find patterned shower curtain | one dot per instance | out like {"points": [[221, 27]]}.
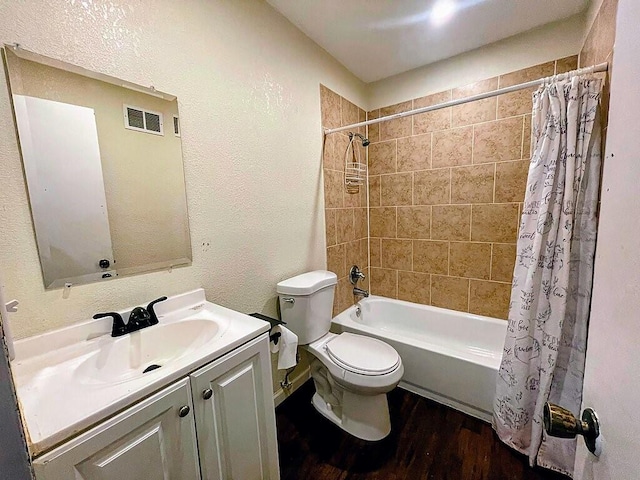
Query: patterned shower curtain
{"points": [[545, 346]]}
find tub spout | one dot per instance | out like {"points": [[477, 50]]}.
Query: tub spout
{"points": [[358, 292]]}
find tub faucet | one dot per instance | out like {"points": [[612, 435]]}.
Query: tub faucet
{"points": [[358, 292]]}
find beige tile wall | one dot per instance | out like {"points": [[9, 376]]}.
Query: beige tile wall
{"points": [[598, 47], [445, 195], [345, 209]]}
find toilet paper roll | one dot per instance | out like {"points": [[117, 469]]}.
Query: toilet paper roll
{"points": [[286, 348]]}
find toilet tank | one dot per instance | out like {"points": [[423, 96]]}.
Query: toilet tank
{"points": [[306, 304]]}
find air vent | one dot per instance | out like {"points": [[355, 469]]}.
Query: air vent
{"points": [[176, 126], [143, 120]]}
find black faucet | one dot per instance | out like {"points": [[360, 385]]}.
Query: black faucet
{"points": [[139, 318]]}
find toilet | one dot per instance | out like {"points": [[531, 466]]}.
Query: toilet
{"points": [[352, 373]]}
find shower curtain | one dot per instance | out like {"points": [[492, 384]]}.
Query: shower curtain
{"points": [[545, 346]]}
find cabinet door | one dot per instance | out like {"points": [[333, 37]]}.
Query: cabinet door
{"points": [[235, 417], [149, 441]]}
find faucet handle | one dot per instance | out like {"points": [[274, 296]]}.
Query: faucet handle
{"points": [[119, 328], [150, 308], [355, 274]]}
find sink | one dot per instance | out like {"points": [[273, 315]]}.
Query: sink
{"points": [[145, 351]]}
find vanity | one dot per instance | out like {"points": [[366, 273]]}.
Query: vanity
{"points": [[188, 398]]}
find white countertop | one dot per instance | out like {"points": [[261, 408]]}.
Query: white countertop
{"points": [[57, 397]]}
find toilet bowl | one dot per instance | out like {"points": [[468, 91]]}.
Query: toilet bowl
{"points": [[352, 373]]}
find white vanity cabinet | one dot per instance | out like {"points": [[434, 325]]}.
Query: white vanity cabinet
{"points": [[235, 418], [154, 439], [217, 423]]}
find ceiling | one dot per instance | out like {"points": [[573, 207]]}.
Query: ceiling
{"points": [[375, 39]]}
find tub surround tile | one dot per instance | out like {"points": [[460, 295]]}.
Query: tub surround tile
{"points": [[336, 259], [566, 64], [414, 153], [478, 111], [343, 295], [511, 181], [330, 108], [353, 256], [526, 141], [400, 127], [396, 254], [414, 287], [498, 141], [384, 282], [350, 112], [330, 226], [474, 112], [503, 259], [489, 298], [352, 196], [528, 74], [452, 147], [414, 222], [333, 185], [360, 222], [432, 187], [470, 260], [451, 222], [373, 131], [450, 292], [382, 157], [375, 246], [374, 190], [432, 121], [382, 222], [445, 191], [473, 184], [345, 225], [516, 103], [495, 223], [431, 257], [396, 189]]}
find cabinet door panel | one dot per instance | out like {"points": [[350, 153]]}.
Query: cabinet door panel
{"points": [[236, 426], [147, 441]]}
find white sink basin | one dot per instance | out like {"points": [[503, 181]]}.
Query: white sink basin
{"points": [[126, 358], [72, 378]]}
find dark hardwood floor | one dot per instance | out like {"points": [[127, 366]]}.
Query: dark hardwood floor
{"points": [[427, 441]]}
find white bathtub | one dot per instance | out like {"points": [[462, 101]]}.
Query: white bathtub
{"points": [[450, 357]]}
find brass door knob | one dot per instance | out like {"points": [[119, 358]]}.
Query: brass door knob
{"points": [[561, 423]]}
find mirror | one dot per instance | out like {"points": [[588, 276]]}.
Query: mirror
{"points": [[102, 159]]}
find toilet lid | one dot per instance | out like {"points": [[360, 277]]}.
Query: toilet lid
{"points": [[363, 355]]}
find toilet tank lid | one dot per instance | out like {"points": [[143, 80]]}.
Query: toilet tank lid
{"points": [[307, 283]]}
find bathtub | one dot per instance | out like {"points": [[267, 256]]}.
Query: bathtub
{"points": [[449, 357]]}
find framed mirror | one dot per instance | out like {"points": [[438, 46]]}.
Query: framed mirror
{"points": [[102, 159]]}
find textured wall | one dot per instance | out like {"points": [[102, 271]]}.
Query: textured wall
{"points": [[345, 207], [445, 195], [247, 87], [540, 45]]}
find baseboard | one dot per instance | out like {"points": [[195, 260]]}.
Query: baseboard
{"points": [[281, 394], [449, 402]]}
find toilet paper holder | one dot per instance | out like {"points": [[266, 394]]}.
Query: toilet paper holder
{"points": [[561, 423], [273, 337]]}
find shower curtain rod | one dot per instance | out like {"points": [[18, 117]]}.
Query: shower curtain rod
{"points": [[602, 67]]}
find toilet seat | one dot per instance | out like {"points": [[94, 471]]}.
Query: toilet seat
{"points": [[362, 355]]}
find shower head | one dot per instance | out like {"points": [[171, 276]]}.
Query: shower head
{"points": [[365, 141]]}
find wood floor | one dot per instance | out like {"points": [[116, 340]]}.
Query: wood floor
{"points": [[427, 441]]}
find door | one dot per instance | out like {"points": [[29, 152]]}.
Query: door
{"points": [[153, 440], [61, 157], [612, 374], [235, 416]]}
